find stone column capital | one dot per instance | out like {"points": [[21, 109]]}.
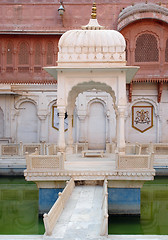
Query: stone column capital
{"points": [[42, 117], [61, 111]]}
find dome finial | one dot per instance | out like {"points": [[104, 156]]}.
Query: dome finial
{"points": [[93, 23], [93, 15]]}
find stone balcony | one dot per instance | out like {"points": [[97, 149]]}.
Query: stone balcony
{"points": [[110, 166]]}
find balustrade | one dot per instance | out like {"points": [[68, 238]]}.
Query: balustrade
{"points": [[52, 217]]}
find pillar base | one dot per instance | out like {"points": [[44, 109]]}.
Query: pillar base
{"points": [[70, 149], [121, 150]]}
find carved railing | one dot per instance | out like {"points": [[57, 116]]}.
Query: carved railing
{"points": [[10, 149], [79, 147], [160, 148], [51, 149], [51, 218], [21, 149], [156, 148], [132, 162], [104, 223], [44, 162]]}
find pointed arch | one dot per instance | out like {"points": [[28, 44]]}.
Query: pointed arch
{"points": [[86, 86], [146, 49]]}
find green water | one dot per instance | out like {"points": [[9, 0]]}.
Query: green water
{"points": [[154, 212], [19, 207]]}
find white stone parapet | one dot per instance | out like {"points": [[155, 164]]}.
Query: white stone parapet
{"points": [[51, 218], [134, 162], [44, 162]]}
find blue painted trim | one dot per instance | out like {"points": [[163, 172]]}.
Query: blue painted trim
{"points": [[47, 197]]}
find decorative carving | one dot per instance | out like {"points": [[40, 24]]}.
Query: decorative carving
{"points": [[30, 148], [10, 149], [142, 118]]}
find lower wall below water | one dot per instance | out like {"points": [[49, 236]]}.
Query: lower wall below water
{"points": [[47, 197], [124, 201]]}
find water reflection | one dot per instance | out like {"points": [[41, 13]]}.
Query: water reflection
{"points": [[154, 212], [19, 207], [154, 207]]}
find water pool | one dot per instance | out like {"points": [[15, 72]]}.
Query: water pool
{"points": [[154, 212], [19, 207]]}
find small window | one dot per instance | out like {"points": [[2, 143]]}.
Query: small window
{"points": [[38, 54], [23, 54], [38, 58], [9, 54], [50, 53], [146, 48]]}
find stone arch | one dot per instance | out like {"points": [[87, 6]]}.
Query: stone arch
{"points": [[27, 124], [85, 86], [97, 99], [96, 133], [22, 100], [141, 11], [146, 49], [147, 100]]}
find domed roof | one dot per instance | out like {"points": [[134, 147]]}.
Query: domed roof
{"points": [[91, 44]]}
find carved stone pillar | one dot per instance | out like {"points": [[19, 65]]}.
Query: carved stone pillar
{"points": [[61, 139], [70, 137], [121, 129], [43, 133], [108, 127], [82, 128]]}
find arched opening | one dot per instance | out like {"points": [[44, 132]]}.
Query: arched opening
{"points": [[27, 123], [92, 122], [146, 48], [96, 126]]}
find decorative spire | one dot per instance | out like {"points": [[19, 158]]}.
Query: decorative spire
{"points": [[93, 15], [93, 23]]}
